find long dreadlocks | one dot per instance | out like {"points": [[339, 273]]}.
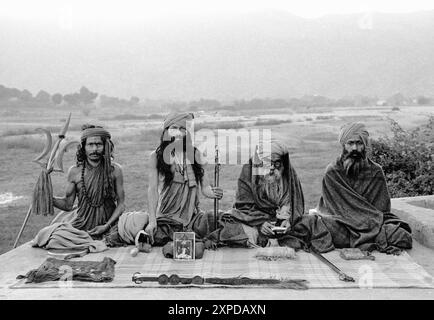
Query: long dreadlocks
{"points": [[93, 130]]}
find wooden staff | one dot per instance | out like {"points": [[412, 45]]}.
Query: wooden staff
{"points": [[342, 275], [216, 184]]}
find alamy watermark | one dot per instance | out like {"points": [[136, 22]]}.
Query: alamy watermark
{"points": [[235, 146]]}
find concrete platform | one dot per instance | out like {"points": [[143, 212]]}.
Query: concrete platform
{"points": [[20, 260], [419, 213]]}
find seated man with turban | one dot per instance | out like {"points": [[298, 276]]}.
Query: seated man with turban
{"points": [[97, 182], [269, 194], [354, 208], [176, 177]]}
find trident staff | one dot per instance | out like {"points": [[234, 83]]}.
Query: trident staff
{"points": [[42, 198]]}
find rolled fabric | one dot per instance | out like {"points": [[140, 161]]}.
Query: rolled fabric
{"points": [[177, 118], [275, 253], [354, 129], [130, 223], [92, 132]]}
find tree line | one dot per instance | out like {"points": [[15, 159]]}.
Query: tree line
{"points": [[86, 97]]}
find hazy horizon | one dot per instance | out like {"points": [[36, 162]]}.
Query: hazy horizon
{"points": [[219, 55]]}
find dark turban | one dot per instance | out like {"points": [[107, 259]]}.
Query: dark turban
{"points": [[353, 129]]}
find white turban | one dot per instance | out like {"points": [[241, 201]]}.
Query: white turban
{"points": [[177, 118]]}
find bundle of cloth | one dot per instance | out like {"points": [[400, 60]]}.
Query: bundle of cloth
{"points": [[62, 235], [54, 269]]}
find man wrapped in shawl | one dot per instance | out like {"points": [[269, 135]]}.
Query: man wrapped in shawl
{"points": [[176, 176], [98, 184], [354, 208], [269, 194]]}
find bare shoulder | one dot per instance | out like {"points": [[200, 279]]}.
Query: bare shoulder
{"points": [[117, 169], [74, 173], [152, 162]]}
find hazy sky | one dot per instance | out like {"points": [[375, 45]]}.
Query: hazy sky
{"points": [[187, 49], [128, 11]]}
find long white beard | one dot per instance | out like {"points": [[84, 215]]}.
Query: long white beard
{"points": [[273, 187]]}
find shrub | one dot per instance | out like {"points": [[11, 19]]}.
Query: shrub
{"points": [[407, 158]]}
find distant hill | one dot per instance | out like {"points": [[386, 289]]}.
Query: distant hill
{"points": [[272, 54]]}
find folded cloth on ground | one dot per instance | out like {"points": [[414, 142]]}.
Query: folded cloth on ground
{"points": [[54, 269], [275, 253], [62, 235], [355, 254]]}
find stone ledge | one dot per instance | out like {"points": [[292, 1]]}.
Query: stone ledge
{"points": [[419, 213]]}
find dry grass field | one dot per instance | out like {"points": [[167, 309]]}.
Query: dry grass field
{"points": [[311, 136]]}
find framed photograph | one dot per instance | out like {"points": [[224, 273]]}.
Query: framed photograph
{"points": [[183, 245]]}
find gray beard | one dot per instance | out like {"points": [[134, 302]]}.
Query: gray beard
{"points": [[272, 188]]}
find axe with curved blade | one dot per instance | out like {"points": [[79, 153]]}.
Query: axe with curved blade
{"points": [[58, 159], [47, 147], [48, 165]]}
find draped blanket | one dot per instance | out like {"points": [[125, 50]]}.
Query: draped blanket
{"points": [[88, 217], [178, 209], [62, 235], [253, 209], [354, 212], [179, 200], [68, 230]]}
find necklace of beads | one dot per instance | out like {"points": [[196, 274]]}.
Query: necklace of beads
{"points": [[84, 191]]}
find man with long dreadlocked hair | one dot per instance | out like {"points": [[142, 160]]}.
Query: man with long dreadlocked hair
{"points": [[176, 175], [98, 183]]}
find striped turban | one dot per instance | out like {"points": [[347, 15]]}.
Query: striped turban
{"points": [[177, 118], [92, 132], [277, 148], [351, 130]]}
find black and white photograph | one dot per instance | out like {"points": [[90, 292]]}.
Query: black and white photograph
{"points": [[183, 245], [203, 150]]}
